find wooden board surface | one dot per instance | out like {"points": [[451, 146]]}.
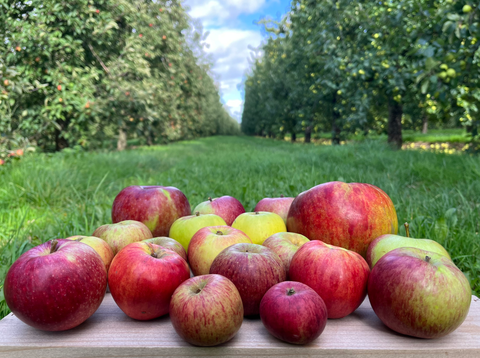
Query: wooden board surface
{"points": [[110, 333]]}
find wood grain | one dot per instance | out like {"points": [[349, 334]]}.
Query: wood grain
{"points": [[110, 333]]}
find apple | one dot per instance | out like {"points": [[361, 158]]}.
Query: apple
{"points": [[346, 215], [184, 228], [143, 277], [386, 243], [123, 233], [208, 242], [99, 245], [156, 206], [285, 245], [206, 310], [419, 293], [227, 207], [56, 286], [279, 206], [293, 312], [170, 244], [253, 269], [338, 275], [259, 225]]}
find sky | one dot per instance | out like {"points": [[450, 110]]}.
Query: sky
{"points": [[233, 34]]}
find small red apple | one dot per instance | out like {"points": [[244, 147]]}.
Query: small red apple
{"points": [[59, 87], [285, 245], [227, 207], [279, 206]]}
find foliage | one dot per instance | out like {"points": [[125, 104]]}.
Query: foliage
{"points": [[81, 71], [362, 66]]}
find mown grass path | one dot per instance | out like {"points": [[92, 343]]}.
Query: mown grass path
{"points": [[48, 196]]}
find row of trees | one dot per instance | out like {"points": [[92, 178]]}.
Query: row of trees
{"points": [[361, 66], [83, 72]]}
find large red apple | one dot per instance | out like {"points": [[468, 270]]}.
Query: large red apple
{"points": [[155, 206], [100, 246], [279, 206], [170, 244], [253, 269], [285, 245], [419, 293], [57, 285], [293, 312], [208, 242], [227, 207], [143, 277], [206, 310], [338, 275], [345, 215], [123, 233]]}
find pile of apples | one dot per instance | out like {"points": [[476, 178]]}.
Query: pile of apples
{"points": [[210, 269]]}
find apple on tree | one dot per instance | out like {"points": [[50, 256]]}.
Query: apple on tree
{"points": [[155, 206], [259, 225], [206, 310], [227, 207], [57, 285], [279, 206], [419, 293]]}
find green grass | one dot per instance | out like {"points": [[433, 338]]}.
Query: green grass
{"points": [[48, 196]]}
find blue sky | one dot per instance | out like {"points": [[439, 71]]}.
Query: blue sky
{"points": [[232, 30]]}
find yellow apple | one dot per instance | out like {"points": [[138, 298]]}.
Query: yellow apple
{"points": [[259, 225]]}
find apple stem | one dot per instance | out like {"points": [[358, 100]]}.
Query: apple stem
{"points": [[407, 229], [53, 246], [427, 258], [197, 213], [282, 196], [256, 212], [219, 232], [210, 198], [290, 292]]}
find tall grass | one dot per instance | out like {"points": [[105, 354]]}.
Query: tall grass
{"points": [[48, 196]]}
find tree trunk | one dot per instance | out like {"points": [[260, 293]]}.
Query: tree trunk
{"points": [[122, 140], [308, 134], [60, 141], [335, 127], [395, 112], [425, 125], [294, 137]]}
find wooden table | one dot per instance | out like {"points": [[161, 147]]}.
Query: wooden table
{"points": [[110, 333]]}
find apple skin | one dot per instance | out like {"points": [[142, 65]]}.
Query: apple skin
{"points": [[184, 228], [208, 242], [338, 275], [346, 215], [59, 290], [156, 206], [206, 310], [285, 245], [386, 243], [123, 233], [253, 269], [279, 206], [170, 244], [143, 277], [227, 207], [99, 245], [259, 225], [416, 296], [293, 312]]}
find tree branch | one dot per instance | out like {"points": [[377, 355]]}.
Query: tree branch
{"points": [[105, 68]]}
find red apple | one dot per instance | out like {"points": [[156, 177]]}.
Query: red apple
{"points": [[155, 206], [285, 245], [345, 215], [338, 275], [208, 242], [170, 244], [143, 277], [99, 245], [123, 233], [227, 207], [56, 286], [206, 310], [279, 206], [293, 312], [419, 293], [253, 269]]}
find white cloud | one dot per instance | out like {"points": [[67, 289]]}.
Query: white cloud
{"points": [[235, 108]]}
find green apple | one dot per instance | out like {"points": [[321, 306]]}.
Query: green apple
{"points": [[184, 228], [259, 225], [386, 243]]}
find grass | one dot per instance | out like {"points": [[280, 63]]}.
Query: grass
{"points": [[48, 196]]}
